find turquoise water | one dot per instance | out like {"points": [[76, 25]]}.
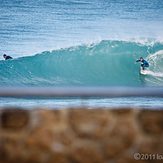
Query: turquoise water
{"points": [[81, 43], [108, 63]]}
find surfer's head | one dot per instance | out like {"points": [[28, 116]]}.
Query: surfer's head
{"points": [[141, 58], [4, 55]]}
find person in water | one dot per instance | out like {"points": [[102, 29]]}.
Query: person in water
{"points": [[6, 57], [144, 63]]}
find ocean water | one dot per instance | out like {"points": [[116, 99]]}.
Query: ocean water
{"points": [[81, 43], [108, 63]]}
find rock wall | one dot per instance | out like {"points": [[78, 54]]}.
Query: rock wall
{"points": [[81, 136]]}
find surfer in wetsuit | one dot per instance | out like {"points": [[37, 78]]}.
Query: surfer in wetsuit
{"points": [[6, 57], [144, 63]]}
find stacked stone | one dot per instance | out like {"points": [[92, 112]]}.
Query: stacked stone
{"points": [[81, 135]]}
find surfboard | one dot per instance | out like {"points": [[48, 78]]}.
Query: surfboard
{"points": [[143, 72]]}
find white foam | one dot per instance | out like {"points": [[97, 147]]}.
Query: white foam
{"points": [[152, 73]]}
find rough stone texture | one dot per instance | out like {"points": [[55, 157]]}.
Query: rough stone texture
{"points": [[80, 135], [90, 123], [14, 119], [151, 122]]}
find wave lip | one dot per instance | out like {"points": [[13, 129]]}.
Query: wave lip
{"points": [[108, 63]]}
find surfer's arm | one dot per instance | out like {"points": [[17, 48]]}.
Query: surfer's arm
{"points": [[138, 60]]}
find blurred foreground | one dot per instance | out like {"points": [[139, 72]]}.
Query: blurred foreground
{"points": [[81, 135]]}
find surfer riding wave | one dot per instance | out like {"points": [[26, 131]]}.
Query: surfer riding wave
{"points": [[144, 63]]}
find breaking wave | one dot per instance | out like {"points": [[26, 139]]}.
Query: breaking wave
{"points": [[108, 63]]}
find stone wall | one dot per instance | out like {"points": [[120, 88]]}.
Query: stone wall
{"points": [[81, 136]]}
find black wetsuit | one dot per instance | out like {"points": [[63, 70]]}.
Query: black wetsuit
{"points": [[144, 63], [8, 57]]}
